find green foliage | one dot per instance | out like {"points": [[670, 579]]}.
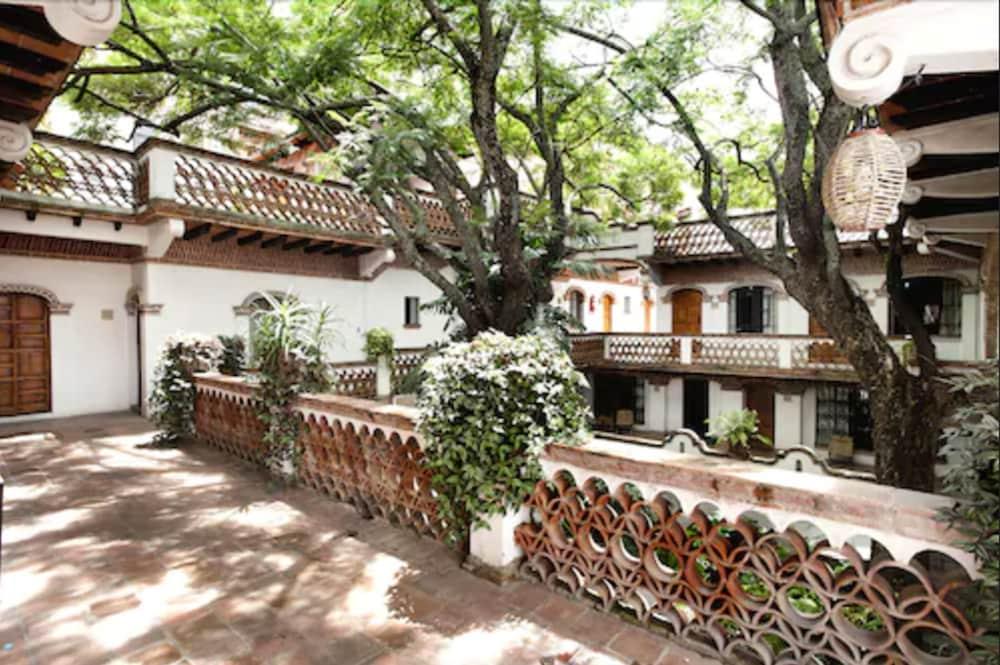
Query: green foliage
{"points": [[290, 345], [379, 343], [805, 600], [973, 450], [737, 428], [863, 617], [171, 403], [487, 410], [233, 354]]}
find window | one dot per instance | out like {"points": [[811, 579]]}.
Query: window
{"points": [[627, 304], [750, 310], [640, 402], [411, 312], [938, 302], [843, 411], [576, 305]]}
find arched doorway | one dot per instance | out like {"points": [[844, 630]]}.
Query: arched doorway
{"points": [[25, 355], [607, 305], [686, 315]]}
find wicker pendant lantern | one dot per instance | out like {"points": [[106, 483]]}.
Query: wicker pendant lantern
{"points": [[864, 181]]}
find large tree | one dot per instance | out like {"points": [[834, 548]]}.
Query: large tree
{"points": [[906, 407], [526, 148], [527, 152]]}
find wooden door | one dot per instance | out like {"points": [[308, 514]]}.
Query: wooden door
{"points": [[24, 355], [647, 315], [686, 312], [760, 398], [607, 302]]}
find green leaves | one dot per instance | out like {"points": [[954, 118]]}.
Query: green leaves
{"points": [[290, 341], [171, 403], [485, 424], [738, 428], [973, 451]]}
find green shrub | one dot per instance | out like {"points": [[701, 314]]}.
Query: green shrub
{"points": [[737, 428], [973, 448], [233, 354], [379, 344], [290, 342], [171, 403], [488, 408]]}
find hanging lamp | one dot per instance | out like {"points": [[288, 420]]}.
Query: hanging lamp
{"points": [[865, 178]]}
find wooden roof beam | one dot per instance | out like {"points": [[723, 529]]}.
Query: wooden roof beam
{"points": [[295, 244], [250, 239], [273, 242], [224, 235], [197, 231], [320, 247]]}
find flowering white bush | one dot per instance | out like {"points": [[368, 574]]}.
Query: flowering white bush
{"points": [[487, 410], [171, 404]]}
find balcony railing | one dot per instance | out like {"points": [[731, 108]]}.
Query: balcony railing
{"points": [[794, 354]]}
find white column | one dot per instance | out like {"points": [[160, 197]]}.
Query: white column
{"points": [[787, 420], [675, 404], [970, 326], [656, 407], [784, 352], [492, 551], [808, 431], [162, 165], [686, 350]]}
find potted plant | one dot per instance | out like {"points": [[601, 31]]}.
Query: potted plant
{"points": [[380, 349], [736, 431]]}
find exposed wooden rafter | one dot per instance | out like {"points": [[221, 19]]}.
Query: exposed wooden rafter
{"points": [[250, 239], [196, 232], [224, 235]]}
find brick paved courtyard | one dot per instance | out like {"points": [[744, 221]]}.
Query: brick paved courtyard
{"points": [[115, 553]]}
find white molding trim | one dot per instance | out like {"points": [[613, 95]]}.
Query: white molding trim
{"points": [[56, 306], [15, 141], [873, 53]]}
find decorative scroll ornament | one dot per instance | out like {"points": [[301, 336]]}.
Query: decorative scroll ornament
{"points": [[864, 181], [866, 69], [15, 141], [84, 22]]}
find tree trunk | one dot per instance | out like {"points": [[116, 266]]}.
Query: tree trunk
{"points": [[906, 410], [906, 414]]}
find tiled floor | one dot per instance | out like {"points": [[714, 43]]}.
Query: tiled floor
{"points": [[114, 553]]}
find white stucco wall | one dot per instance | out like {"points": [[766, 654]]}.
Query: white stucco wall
{"points": [[791, 318], [90, 355], [594, 290], [197, 299]]}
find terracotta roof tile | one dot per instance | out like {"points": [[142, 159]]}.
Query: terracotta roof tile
{"points": [[704, 240]]}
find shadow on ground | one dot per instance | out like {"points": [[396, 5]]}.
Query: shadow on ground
{"points": [[114, 552]]}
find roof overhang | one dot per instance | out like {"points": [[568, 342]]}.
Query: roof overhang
{"points": [[40, 42]]}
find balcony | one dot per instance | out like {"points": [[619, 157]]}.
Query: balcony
{"points": [[789, 356]]}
